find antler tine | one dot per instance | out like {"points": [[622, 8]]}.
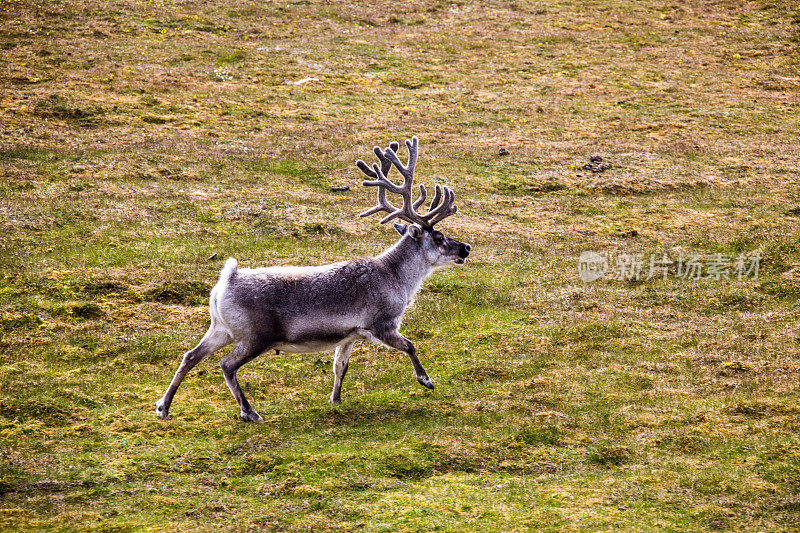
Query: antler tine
{"points": [[422, 195], [383, 181], [412, 146], [365, 169], [407, 171], [446, 209], [386, 164], [444, 215], [437, 197], [434, 213], [383, 205]]}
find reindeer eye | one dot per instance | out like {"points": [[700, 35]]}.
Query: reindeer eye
{"points": [[438, 238]]}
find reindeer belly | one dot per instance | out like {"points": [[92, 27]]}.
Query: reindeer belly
{"points": [[317, 336], [307, 347], [314, 346]]}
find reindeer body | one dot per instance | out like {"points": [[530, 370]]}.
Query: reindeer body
{"points": [[314, 309]]}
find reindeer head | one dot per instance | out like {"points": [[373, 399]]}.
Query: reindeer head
{"points": [[438, 249]]}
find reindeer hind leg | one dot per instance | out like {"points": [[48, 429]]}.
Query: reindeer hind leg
{"points": [[215, 339], [243, 353]]}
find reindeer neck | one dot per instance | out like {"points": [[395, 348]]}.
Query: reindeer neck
{"points": [[407, 263]]}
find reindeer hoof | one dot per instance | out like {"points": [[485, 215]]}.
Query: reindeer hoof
{"points": [[252, 416], [161, 411], [335, 401], [426, 382]]}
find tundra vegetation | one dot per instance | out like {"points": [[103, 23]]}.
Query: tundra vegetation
{"points": [[142, 143]]}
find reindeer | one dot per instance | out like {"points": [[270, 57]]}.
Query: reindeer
{"points": [[315, 309]]}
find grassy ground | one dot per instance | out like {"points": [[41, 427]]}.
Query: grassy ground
{"points": [[137, 139]]}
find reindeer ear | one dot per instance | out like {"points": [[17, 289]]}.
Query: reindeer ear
{"points": [[415, 231], [412, 229]]}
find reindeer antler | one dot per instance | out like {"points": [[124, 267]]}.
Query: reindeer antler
{"points": [[441, 206]]}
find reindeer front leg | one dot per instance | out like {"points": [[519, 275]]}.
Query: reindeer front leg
{"points": [[394, 339], [341, 361]]}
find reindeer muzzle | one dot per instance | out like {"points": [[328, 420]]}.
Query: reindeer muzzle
{"points": [[463, 253]]}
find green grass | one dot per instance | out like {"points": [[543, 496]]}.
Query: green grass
{"points": [[142, 144]]}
